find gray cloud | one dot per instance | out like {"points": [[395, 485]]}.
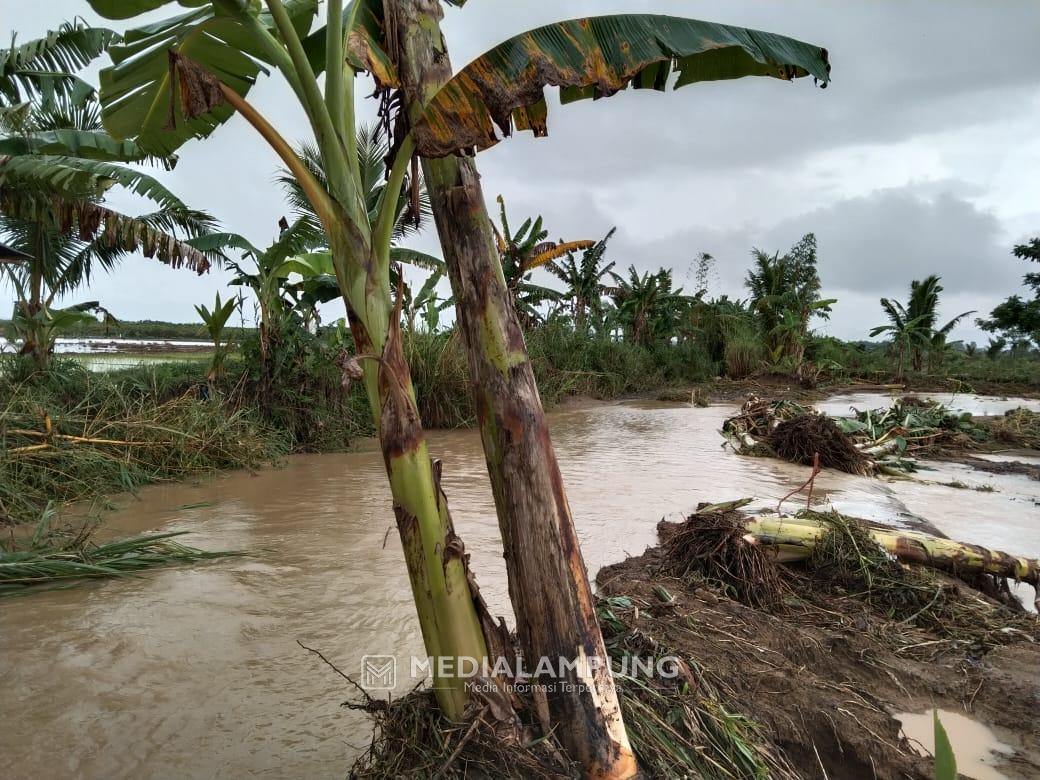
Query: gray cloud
{"points": [[916, 160], [869, 247]]}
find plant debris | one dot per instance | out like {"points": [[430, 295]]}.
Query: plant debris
{"points": [[24, 571], [873, 441], [714, 546]]}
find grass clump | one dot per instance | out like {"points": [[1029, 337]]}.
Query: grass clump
{"points": [[71, 435], [847, 561], [1018, 428]]}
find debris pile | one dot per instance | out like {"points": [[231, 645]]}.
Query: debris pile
{"points": [[869, 442]]}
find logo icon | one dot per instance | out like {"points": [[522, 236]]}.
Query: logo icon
{"points": [[378, 672]]}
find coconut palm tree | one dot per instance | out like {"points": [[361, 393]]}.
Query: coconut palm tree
{"points": [[584, 281], [216, 50], [57, 166]]}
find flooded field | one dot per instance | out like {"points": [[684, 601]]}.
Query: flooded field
{"points": [[110, 354], [197, 672]]}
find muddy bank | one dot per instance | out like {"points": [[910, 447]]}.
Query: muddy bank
{"points": [[824, 674]]}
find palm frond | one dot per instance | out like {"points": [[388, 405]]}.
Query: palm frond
{"points": [[55, 56]]}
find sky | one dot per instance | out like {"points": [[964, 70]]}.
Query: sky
{"points": [[921, 157]]}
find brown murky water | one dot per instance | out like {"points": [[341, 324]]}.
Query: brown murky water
{"points": [[195, 672], [975, 747]]}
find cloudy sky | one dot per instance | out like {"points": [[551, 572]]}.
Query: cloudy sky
{"points": [[922, 157]]}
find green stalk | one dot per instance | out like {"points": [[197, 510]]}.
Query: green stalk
{"points": [[436, 564], [382, 233], [348, 122], [344, 187], [334, 81]]}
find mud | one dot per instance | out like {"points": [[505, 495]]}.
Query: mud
{"points": [[826, 684], [1031, 470]]}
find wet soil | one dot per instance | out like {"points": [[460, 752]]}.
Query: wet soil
{"points": [[790, 388], [826, 683], [1031, 470]]}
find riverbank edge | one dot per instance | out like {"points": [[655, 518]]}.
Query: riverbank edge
{"points": [[795, 677]]}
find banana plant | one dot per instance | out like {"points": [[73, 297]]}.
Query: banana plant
{"points": [[181, 78], [39, 329], [499, 92], [425, 303], [522, 252], [584, 281], [215, 320]]}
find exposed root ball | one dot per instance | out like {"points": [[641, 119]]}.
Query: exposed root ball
{"points": [[714, 546], [800, 437]]}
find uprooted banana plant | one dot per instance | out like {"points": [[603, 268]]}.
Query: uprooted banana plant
{"points": [[214, 53]]}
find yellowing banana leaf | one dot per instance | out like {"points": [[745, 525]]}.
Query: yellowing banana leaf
{"points": [[597, 57], [558, 250]]}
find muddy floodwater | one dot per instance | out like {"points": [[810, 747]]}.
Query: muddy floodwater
{"points": [[196, 672], [975, 747]]}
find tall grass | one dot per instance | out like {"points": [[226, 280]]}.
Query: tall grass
{"points": [[71, 435], [744, 354], [441, 379]]}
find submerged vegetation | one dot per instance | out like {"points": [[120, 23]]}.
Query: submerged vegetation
{"points": [[71, 435], [42, 567]]}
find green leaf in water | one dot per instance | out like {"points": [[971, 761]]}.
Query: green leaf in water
{"points": [[945, 761]]}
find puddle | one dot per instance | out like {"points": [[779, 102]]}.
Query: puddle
{"points": [[976, 748]]}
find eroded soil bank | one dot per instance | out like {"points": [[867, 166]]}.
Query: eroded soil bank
{"points": [[825, 676]]}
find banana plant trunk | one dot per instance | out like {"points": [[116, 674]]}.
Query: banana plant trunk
{"points": [[445, 598], [548, 583], [793, 539], [437, 565]]}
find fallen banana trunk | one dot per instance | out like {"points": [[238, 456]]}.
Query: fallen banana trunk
{"points": [[795, 537]]}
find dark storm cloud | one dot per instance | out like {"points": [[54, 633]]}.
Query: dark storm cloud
{"points": [[718, 167], [869, 247], [899, 71]]}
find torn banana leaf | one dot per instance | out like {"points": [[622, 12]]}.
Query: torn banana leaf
{"points": [[597, 57]]}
